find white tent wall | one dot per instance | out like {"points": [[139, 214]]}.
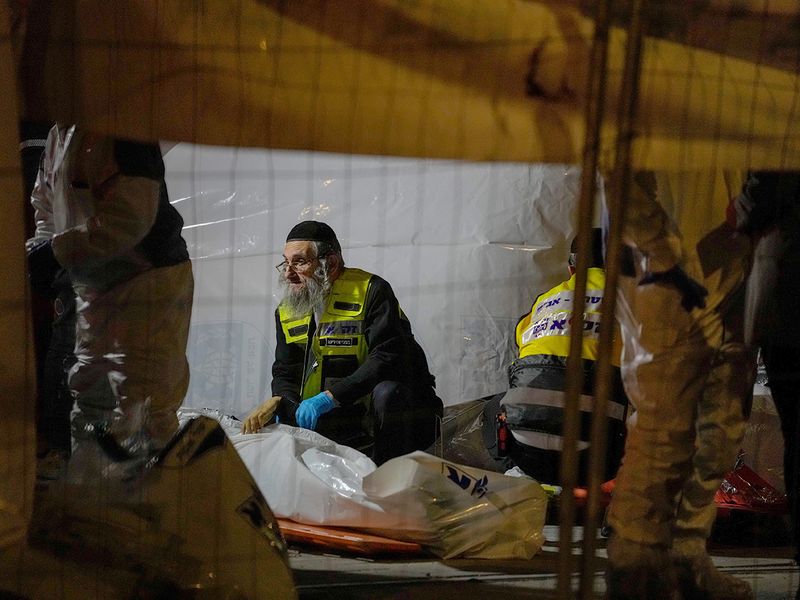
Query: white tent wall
{"points": [[466, 247]]}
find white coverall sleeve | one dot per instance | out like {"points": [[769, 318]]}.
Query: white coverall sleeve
{"points": [[42, 199], [647, 226], [125, 208]]}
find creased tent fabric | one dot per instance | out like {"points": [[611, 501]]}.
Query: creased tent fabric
{"points": [[466, 247], [435, 78]]}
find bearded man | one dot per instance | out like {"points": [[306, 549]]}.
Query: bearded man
{"points": [[346, 362]]}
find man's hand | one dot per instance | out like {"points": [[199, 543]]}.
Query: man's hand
{"points": [[312, 409], [261, 415], [693, 294]]}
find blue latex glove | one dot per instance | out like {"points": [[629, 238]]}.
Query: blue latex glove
{"points": [[312, 409]]}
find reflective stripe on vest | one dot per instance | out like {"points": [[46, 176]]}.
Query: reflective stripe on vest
{"points": [[546, 329], [340, 331], [538, 397], [535, 416]]}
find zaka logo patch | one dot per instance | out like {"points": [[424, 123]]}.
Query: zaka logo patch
{"points": [[476, 487], [339, 328]]}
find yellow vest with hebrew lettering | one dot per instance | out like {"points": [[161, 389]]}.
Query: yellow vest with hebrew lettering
{"points": [[340, 332], [546, 329]]}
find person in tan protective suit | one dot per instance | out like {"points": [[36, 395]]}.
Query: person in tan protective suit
{"points": [[688, 372]]}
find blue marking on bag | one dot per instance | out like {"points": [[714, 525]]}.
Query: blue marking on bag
{"points": [[466, 481]]}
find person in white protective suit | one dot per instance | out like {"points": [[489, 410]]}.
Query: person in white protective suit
{"points": [[689, 375], [102, 204]]}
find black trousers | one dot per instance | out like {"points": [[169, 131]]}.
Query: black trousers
{"points": [[56, 398], [549, 373], [402, 419], [783, 373]]}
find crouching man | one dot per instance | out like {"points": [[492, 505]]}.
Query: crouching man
{"points": [[346, 362], [534, 405]]}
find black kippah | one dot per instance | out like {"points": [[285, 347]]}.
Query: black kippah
{"points": [[596, 247], [314, 231]]}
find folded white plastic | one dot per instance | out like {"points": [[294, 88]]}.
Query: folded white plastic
{"points": [[452, 510]]}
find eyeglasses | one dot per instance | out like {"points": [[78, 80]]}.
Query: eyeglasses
{"points": [[298, 264]]}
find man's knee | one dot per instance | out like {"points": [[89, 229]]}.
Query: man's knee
{"points": [[387, 397], [404, 419], [392, 397]]}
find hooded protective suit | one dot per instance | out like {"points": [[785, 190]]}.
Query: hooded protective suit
{"points": [[687, 373], [102, 203]]}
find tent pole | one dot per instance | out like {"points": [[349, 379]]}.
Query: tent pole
{"points": [[595, 104], [617, 200]]}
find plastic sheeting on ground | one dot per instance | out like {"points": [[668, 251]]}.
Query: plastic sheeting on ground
{"points": [[465, 246], [189, 523], [452, 510]]}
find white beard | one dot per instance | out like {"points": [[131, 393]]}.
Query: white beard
{"points": [[312, 295]]}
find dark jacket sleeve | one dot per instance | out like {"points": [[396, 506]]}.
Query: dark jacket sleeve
{"points": [[392, 349], [287, 372]]}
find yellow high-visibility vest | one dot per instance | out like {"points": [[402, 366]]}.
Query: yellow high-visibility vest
{"points": [[339, 333], [546, 329]]}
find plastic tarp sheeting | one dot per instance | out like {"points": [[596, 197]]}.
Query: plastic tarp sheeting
{"points": [[190, 523], [434, 78], [465, 246], [453, 511], [763, 439]]}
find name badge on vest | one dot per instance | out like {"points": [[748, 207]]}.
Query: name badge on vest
{"points": [[331, 342]]}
